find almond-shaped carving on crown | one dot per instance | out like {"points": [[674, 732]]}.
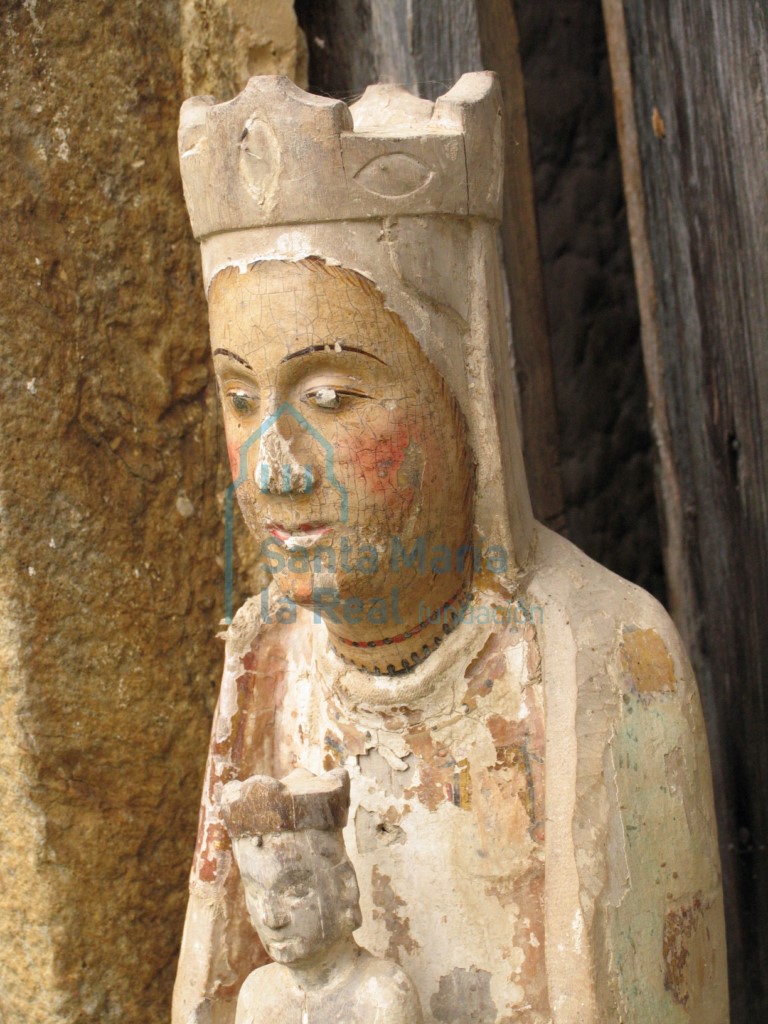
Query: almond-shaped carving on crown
{"points": [[394, 175], [260, 160], [276, 155]]}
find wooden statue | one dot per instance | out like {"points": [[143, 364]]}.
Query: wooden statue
{"points": [[531, 817], [303, 900]]}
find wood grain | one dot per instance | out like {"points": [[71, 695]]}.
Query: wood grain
{"points": [[691, 82], [522, 264]]}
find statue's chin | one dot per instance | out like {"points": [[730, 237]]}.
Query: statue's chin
{"points": [[283, 956]]}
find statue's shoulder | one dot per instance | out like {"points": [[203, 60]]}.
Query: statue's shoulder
{"points": [[383, 991], [630, 797], [266, 989], [564, 573], [574, 595], [612, 662]]}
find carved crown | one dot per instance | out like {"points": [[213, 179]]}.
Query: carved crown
{"points": [[300, 801], [277, 155]]}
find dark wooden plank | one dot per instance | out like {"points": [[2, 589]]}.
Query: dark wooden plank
{"points": [[691, 82], [340, 40], [533, 359], [445, 42], [605, 443]]}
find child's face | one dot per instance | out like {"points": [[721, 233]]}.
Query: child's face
{"points": [[295, 886]]}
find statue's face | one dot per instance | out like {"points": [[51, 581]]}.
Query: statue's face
{"points": [[343, 439], [301, 892]]}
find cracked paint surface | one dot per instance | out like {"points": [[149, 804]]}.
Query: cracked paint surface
{"points": [[575, 740], [447, 821]]}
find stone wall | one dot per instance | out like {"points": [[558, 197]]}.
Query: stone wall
{"points": [[111, 591]]}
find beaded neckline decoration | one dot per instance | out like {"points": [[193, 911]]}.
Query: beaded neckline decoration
{"points": [[447, 617]]}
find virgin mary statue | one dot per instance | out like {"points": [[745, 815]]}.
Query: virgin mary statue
{"points": [[531, 820]]}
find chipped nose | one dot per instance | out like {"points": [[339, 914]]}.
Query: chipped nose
{"points": [[289, 478], [277, 471]]}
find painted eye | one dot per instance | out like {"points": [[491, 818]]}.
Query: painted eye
{"points": [[243, 402], [298, 892], [325, 398]]}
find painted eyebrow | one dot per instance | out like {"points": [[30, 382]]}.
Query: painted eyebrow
{"points": [[232, 355], [326, 348], [302, 352]]}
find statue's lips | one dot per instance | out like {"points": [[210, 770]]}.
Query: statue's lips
{"points": [[277, 946], [305, 535]]}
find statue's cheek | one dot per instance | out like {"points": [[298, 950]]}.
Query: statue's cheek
{"points": [[385, 461], [233, 454]]}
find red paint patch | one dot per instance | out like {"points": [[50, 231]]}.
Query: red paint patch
{"points": [[489, 665], [233, 454], [680, 925], [379, 464]]}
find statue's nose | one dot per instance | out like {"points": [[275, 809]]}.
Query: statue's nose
{"points": [[275, 914], [282, 467]]}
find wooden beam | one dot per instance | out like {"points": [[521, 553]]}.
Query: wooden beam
{"points": [[530, 339], [691, 90]]}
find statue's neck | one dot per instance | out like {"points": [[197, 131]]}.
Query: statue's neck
{"points": [[407, 642], [373, 702], [332, 967]]}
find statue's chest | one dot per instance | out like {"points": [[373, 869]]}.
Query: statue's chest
{"points": [[279, 1001], [446, 832]]}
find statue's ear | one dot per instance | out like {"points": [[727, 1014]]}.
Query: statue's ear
{"points": [[347, 880], [349, 893]]}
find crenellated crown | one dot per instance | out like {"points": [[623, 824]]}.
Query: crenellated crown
{"points": [[301, 800], [277, 155]]}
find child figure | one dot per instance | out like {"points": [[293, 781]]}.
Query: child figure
{"points": [[303, 899]]}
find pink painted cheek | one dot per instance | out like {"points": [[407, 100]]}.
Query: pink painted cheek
{"points": [[378, 460], [233, 453]]}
